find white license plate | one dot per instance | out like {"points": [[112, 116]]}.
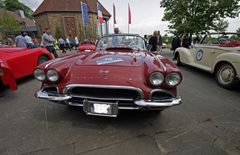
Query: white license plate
{"points": [[100, 108]]}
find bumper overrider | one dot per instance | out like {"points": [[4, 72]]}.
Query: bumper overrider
{"points": [[89, 102]]}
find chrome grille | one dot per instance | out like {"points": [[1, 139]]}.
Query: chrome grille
{"points": [[104, 92]]}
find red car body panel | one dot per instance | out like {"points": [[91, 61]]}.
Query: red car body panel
{"points": [[87, 45], [231, 44], [19, 62]]}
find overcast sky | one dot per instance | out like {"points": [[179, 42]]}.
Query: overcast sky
{"points": [[146, 15]]}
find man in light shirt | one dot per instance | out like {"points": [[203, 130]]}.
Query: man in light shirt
{"points": [[21, 41], [48, 42], [29, 41]]}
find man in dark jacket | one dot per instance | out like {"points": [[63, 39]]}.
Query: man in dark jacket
{"points": [[153, 42], [176, 42]]}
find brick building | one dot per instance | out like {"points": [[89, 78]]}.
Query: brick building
{"points": [[66, 16]]}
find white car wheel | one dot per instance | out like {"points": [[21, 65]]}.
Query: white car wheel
{"points": [[226, 76]]}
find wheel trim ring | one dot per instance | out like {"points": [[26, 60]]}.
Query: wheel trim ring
{"points": [[226, 75]]}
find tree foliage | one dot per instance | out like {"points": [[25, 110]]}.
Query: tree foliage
{"points": [[197, 15], [221, 26], [58, 33], [13, 5], [8, 24]]}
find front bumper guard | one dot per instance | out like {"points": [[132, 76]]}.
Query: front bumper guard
{"points": [[141, 103]]}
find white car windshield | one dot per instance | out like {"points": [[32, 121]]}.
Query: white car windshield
{"points": [[121, 41]]}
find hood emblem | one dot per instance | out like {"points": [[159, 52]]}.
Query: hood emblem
{"points": [[104, 71], [108, 61]]}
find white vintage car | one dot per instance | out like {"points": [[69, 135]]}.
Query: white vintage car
{"points": [[215, 54]]}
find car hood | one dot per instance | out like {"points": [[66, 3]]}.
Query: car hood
{"points": [[107, 68]]}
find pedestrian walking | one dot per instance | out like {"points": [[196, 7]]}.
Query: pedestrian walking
{"points": [[20, 41], [29, 41], [48, 42], [153, 42]]}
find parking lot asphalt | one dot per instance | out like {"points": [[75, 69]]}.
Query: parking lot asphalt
{"points": [[207, 123]]}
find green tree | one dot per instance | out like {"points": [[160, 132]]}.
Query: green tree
{"points": [[1, 4], [197, 15], [238, 31], [13, 5], [221, 25], [8, 24]]}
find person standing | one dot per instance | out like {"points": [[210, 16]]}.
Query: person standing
{"points": [[153, 42], [76, 42], [61, 44], [159, 40], [48, 42], [187, 40], [21, 41], [29, 42], [176, 42], [68, 43]]}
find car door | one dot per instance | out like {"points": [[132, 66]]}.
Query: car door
{"points": [[204, 56]]}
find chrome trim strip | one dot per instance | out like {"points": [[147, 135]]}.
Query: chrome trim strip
{"points": [[69, 87], [43, 95], [175, 101]]}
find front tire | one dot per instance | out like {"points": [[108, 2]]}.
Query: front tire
{"points": [[42, 59], [226, 76]]}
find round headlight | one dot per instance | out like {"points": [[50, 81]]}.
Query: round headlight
{"points": [[52, 75], [156, 78], [173, 79], [39, 74]]}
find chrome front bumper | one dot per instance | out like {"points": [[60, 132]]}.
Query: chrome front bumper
{"points": [[141, 103]]}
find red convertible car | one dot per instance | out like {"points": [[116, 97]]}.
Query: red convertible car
{"points": [[120, 75], [16, 63], [88, 45]]}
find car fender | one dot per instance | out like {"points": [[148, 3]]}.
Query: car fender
{"points": [[232, 58], [8, 77], [185, 55]]}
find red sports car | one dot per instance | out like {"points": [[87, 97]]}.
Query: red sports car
{"points": [[16, 63], [88, 45], [120, 74]]}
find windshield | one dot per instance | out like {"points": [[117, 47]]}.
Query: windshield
{"points": [[121, 41]]}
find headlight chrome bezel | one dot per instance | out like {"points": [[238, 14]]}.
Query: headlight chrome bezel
{"points": [[177, 77], [154, 76], [52, 75], [40, 72]]}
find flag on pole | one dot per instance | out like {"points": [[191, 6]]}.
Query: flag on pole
{"points": [[114, 14], [100, 14], [129, 15], [85, 17]]}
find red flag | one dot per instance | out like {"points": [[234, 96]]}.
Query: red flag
{"points": [[114, 14], [100, 15], [129, 15]]}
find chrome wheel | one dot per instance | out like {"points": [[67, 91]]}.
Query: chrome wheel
{"points": [[226, 76]]}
